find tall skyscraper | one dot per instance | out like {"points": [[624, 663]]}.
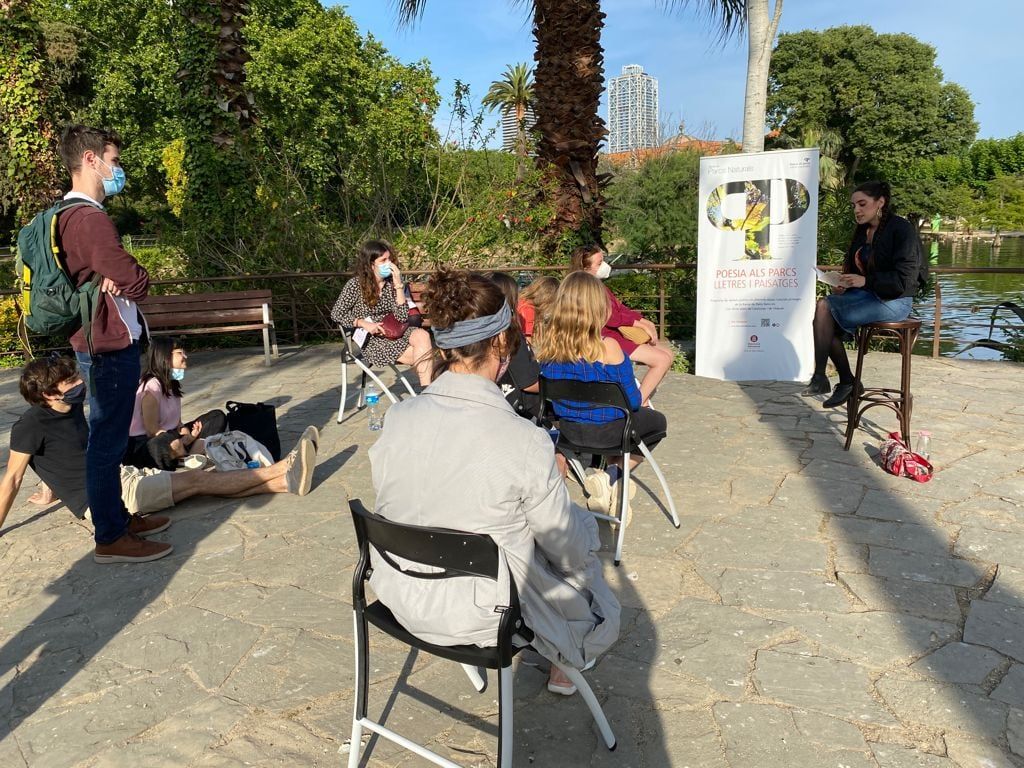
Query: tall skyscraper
{"points": [[632, 110], [510, 129]]}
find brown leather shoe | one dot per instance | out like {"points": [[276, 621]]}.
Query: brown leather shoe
{"points": [[148, 525], [131, 549]]}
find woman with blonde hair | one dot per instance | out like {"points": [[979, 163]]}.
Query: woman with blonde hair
{"points": [[573, 348]]}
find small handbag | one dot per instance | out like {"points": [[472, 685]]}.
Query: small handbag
{"points": [[393, 327], [258, 420], [634, 334], [899, 460]]}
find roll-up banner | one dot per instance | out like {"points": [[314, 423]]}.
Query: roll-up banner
{"points": [[757, 240]]}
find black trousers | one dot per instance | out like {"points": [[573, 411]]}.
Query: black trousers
{"points": [[214, 422]]}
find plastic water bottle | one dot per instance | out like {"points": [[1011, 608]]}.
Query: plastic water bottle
{"points": [[375, 416], [924, 444]]}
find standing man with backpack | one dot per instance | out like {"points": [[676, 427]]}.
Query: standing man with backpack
{"points": [[108, 350]]}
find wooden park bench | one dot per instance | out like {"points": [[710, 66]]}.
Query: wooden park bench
{"points": [[204, 313]]}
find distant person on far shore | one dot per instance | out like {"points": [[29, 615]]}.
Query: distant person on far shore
{"points": [[881, 274]]}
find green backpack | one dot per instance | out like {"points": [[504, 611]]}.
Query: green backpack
{"points": [[49, 301]]}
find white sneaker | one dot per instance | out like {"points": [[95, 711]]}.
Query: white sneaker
{"points": [[598, 488]]}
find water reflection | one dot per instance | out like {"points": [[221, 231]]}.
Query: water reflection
{"points": [[967, 299]]}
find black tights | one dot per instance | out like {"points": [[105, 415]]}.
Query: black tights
{"points": [[827, 344]]}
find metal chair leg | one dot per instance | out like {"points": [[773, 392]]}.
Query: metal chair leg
{"points": [[664, 483], [505, 735], [477, 676], [401, 377], [377, 381], [623, 505], [584, 690], [362, 686], [344, 391]]}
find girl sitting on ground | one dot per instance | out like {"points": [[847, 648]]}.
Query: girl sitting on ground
{"points": [[158, 405], [572, 348], [367, 299]]}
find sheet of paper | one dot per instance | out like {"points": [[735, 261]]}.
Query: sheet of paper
{"points": [[828, 278], [359, 337]]}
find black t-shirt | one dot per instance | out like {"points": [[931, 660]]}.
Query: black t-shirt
{"points": [[523, 371], [56, 442]]}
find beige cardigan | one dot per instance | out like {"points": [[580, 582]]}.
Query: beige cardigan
{"points": [[459, 457]]}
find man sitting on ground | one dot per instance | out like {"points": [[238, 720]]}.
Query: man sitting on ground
{"points": [[51, 437]]}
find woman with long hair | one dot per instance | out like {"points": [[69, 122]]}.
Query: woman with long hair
{"points": [[519, 383], [573, 347], [655, 353], [158, 404], [459, 457], [533, 303], [367, 299], [881, 273]]}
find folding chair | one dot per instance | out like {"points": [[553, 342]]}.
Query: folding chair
{"points": [[606, 394], [458, 554], [351, 353]]}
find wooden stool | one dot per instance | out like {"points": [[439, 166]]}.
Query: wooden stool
{"points": [[899, 400]]}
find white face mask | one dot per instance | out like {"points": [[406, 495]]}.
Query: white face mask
{"points": [[604, 271]]}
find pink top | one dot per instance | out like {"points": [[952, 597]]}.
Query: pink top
{"points": [[170, 408]]}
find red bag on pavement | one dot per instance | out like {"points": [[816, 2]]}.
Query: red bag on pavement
{"points": [[899, 460]]}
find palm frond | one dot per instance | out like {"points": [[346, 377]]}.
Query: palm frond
{"points": [[409, 11], [727, 16]]}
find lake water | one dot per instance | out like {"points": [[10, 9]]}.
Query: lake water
{"points": [[968, 299]]}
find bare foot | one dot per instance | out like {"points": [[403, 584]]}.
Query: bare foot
{"points": [[43, 496]]}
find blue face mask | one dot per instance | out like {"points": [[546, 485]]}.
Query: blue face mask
{"points": [[75, 395], [115, 183], [178, 374], [384, 270]]}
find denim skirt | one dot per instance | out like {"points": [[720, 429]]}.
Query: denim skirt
{"points": [[857, 306]]}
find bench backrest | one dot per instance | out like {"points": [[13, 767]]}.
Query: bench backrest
{"points": [[416, 290], [177, 311]]}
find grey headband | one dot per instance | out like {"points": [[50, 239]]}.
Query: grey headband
{"points": [[466, 332]]}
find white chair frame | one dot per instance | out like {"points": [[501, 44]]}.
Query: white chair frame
{"points": [[350, 354]]}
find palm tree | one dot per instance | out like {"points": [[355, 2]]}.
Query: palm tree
{"points": [[567, 93], [514, 93], [762, 27]]}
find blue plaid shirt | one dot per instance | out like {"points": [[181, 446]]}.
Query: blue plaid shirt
{"points": [[580, 370]]}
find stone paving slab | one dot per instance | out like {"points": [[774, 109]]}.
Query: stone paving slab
{"points": [[811, 611]]}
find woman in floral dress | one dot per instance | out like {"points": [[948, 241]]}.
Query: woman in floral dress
{"points": [[375, 292]]}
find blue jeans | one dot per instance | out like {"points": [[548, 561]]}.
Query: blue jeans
{"points": [[113, 378]]}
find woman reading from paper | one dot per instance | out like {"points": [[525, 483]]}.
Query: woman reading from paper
{"points": [[881, 274], [459, 457]]}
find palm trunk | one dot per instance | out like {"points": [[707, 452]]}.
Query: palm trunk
{"points": [[760, 38], [520, 142], [569, 80]]}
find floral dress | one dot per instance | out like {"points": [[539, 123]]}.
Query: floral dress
{"points": [[351, 306]]}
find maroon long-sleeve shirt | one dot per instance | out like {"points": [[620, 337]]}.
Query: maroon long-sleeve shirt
{"points": [[91, 244]]}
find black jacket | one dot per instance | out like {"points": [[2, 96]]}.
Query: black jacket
{"points": [[896, 268]]}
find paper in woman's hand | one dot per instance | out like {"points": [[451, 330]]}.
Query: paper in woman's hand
{"points": [[828, 278]]}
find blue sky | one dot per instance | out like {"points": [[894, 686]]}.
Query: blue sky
{"points": [[701, 83]]}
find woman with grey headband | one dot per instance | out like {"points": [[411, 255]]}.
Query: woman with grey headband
{"points": [[479, 467]]}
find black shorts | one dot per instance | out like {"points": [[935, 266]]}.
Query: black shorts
{"points": [[649, 425]]}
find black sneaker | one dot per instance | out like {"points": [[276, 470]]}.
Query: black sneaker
{"points": [[842, 393], [818, 385]]}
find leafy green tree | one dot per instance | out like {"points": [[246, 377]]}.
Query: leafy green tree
{"points": [[514, 93], [30, 100], [1003, 204], [352, 120], [653, 208], [881, 93]]}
